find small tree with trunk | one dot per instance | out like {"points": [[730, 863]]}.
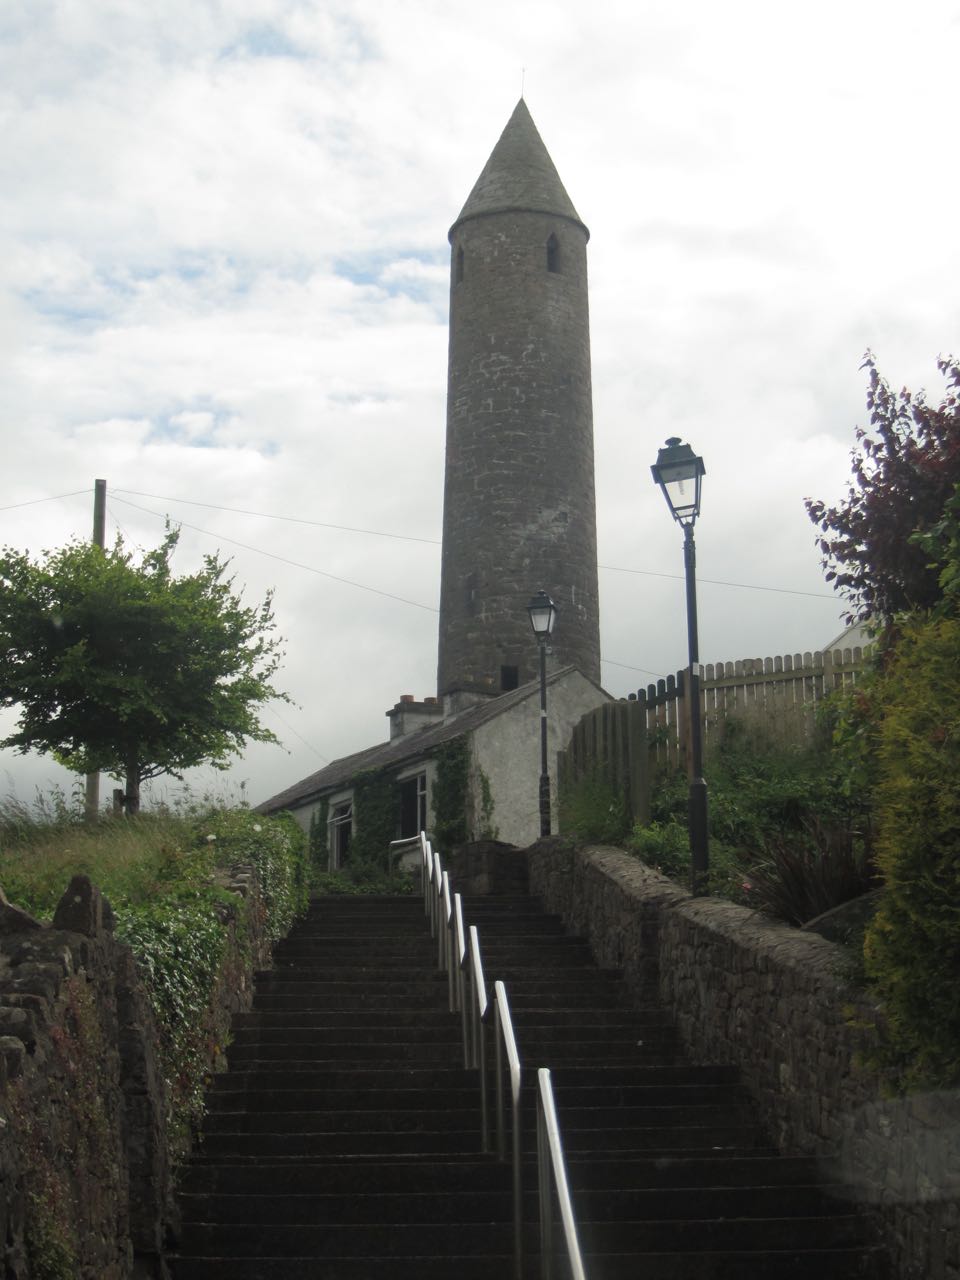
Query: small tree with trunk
{"points": [[123, 668]]}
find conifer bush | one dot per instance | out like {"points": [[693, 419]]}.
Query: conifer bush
{"points": [[912, 948]]}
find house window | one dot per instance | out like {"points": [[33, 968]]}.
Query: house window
{"points": [[340, 829], [413, 806], [509, 678], [553, 253], [458, 270]]}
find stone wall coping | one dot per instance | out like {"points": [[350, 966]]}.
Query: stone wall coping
{"points": [[820, 961]]}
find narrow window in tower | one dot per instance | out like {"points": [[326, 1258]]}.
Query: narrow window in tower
{"points": [[458, 270], [509, 678], [553, 254]]}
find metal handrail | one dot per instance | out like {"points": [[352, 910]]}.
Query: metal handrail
{"points": [[458, 952], [507, 1047], [437, 902], [457, 968], [397, 844], [478, 1041], [550, 1161]]}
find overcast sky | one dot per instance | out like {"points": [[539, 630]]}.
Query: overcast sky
{"points": [[224, 277]]}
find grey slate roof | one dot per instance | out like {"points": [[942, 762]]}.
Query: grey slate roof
{"points": [[399, 750], [519, 175]]}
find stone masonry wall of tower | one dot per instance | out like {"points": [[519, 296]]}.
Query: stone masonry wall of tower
{"points": [[519, 505]]}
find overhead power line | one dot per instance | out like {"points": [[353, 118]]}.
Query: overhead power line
{"points": [[627, 667], [398, 537], [55, 497], [264, 515], [221, 537], [717, 582], [436, 542]]}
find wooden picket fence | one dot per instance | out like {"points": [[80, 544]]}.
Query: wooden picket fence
{"points": [[626, 743]]}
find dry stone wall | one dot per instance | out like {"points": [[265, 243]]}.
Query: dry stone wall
{"points": [[85, 1167], [775, 1002]]}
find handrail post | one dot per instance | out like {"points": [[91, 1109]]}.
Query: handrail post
{"points": [[508, 1042], [545, 1197], [437, 904], [478, 1014], [425, 872]]}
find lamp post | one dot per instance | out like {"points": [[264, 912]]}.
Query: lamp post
{"points": [[679, 473], [543, 614]]}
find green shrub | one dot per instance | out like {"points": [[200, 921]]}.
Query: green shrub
{"points": [[912, 948], [364, 879], [800, 874], [787, 834], [594, 811], [276, 846], [179, 946], [665, 846]]}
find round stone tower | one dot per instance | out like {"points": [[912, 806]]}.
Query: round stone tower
{"points": [[519, 510]]}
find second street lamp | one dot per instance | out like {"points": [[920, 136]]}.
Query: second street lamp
{"points": [[679, 473], [543, 614]]}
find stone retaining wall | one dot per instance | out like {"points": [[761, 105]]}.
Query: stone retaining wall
{"points": [[85, 1168], [775, 1002]]}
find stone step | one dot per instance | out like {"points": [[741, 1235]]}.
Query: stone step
{"points": [[446, 1033], [392, 1016], [358, 1142], [442, 1203], [287, 1096], [383, 1239], [371, 1078], [812, 1264], [576, 1120], [529, 1035], [358, 1051], [346, 1175], [343, 1142], [421, 1174]]}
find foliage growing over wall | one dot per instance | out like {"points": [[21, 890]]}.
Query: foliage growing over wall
{"points": [[161, 879], [785, 835], [488, 829], [593, 810], [913, 946], [376, 814], [450, 790], [276, 846], [179, 945]]}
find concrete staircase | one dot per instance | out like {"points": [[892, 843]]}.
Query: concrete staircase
{"points": [[344, 1141]]}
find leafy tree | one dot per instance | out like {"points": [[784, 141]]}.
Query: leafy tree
{"points": [[122, 667], [904, 472]]}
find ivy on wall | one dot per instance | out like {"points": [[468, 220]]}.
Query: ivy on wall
{"points": [[449, 799], [376, 814], [488, 829]]}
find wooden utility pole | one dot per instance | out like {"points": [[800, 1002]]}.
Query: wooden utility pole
{"points": [[92, 797]]}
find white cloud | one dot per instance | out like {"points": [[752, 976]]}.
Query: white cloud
{"points": [[223, 278]]}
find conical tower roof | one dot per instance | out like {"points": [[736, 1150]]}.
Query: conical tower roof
{"points": [[519, 176]]}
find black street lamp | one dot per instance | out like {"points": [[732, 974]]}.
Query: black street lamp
{"points": [[543, 614], [679, 473]]}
